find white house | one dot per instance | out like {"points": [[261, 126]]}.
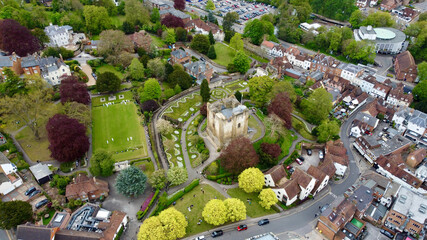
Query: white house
{"points": [[321, 179], [401, 117], [367, 83], [350, 71], [267, 46], [59, 36], [418, 123], [9, 179], [287, 191], [340, 169], [205, 27], [305, 182], [273, 176], [380, 90], [54, 73], [356, 131], [277, 51]]}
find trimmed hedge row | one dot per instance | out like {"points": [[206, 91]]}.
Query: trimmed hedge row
{"points": [[216, 177], [192, 185], [141, 214]]}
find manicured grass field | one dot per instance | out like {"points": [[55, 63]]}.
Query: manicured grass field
{"points": [[97, 100], [118, 20], [198, 203], [116, 124], [236, 86], [224, 54], [109, 68], [254, 209], [36, 149]]}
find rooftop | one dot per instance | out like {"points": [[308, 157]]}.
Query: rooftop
{"points": [[40, 170], [227, 107], [363, 197], [387, 145], [411, 204]]}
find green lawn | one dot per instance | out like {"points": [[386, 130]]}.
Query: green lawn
{"points": [[158, 42], [47, 220], [198, 203], [36, 149], [300, 127], [224, 54], [256, 57], [109, 68], [236, 86], [181, 108], [254, 209], [116, 124], [146, 166], [118, 20], [96, 101], [252, 123]]}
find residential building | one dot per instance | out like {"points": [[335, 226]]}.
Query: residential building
{"points": [[159, 4], [277, 67], [51, 69], [9, 178], [87, 189], [59, 36], [172, 11], [29, 231], [267, 46], [416, 157], [379, 106], [380, 90], [387, 40], [350, 71], [41, 173], [291, 52], [333, 220], [388, 5], [287, 191], [408, 213], [417, 127], [397, 97], [310, 27], [363, 122], [293, 73], [180, 56], [199, 70], [12, 62], [305, 182], [204, 28], [273, 176], [328, 167], [362, 197], [321, 179], [366, 83], [405, 67], [325, 64], [277, 51], [336, 151], [141, 39]]}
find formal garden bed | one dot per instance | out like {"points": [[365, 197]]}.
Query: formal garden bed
{"points": [[251, 200], [183, 108], [197, 151], [174, 155]]}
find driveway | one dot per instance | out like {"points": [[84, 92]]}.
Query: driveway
{"points": [[88, 70], [116, 201], [308, 160]]}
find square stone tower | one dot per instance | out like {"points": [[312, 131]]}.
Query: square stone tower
{"points": [[227, 119]]}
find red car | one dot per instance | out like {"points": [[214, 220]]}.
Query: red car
{"points": [[242, 227], [288, 167], [298, 161]]}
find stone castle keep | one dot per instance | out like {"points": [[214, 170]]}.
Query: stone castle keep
{"points": [[227, 119]]}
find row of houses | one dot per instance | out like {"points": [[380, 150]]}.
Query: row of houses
{"points": [[302, 184]]}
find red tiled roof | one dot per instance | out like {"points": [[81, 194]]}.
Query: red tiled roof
{"points": [[277, 172], [267, 44]]}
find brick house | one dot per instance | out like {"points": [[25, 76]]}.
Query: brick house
{"points": [[397, 97], [141, 39], [199, 70], [180, 56], [13, 62], [325, 64], [86, 189], [405, 67], [336, 151], [333, 220], [416, 157], [267, 46]]}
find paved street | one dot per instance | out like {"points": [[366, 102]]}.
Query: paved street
{"points": [[7, 235]]}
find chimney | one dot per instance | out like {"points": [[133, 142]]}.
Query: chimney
{"points": [[60, 56]]}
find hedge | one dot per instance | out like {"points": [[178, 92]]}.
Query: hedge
{"points": [[192, 185], [141, 214], [216, 177]]}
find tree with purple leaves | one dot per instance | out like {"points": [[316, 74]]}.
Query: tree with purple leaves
{"points": [[179, 4], [72, 90], [171, 21], [67, 138], [17, 38], [239, 155], [281, 106]]}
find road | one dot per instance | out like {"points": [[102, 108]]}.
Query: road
{"points": [[7, 235]]}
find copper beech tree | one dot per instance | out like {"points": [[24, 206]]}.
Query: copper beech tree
{"points": [[239, 155], [72, 90], [281, 106]]}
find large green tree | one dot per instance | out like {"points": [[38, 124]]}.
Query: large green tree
{"points": [[317, 106], [200, 43], [177, 175], [260, 90], [422, 71], [108, 82], [131, 182], [236, 42], [283, 86], [255, 30], [327, 130], [157, 68], [236, 209], [215, 212], [136, 13], [112, 44], [229, 19], [96, 18], [210, 5], [251, 180], [420, 91], [151, 90], [12, 84], [339, 10], [242, 62], [101, 163], [136, 70], [180, 78], [205, 91], [268, 198], [169, 225], [13, 213], [158, 179]]}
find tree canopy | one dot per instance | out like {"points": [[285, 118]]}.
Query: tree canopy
{"points": [[235, 209], [158, 179], [242, 62], [255, 30], [259, 89], [205, 91], [317, 106], [177, 175], [251, 180], [131, 182], [96, 18], [72, 90], [181, 78], [338, 10], [172, 21], [179, 4], [136, 13], [215, 212], [15, 38], [200, 43], [238, 155], [151, 90], [268, 198], [169, 225], [112, 44], [136, 70], [281, 106], [236, 42], [210, 5], [108, 82], [14, 213], [102, 163]]}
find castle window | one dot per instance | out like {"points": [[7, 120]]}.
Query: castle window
{"points": [[238, 125]]}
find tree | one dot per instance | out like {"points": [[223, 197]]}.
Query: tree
{"points": [[58, 52], [72, 90], [150, 106], [236, 42], [356, 19], [14, 213], [420, 91], [327, 130], [204, 110], [251, 180], [131, 182], [151, 90], [108, 82], [136, 70], [211, 38], [259, 89], [281, 106], [32, 109], [239, 155], [269, 152], [268, 198], [211, 53], [158, 179], [127, 27], [112, 43], [156, 67], [317, 106], [379, 19], [169, 225], [283, 86], [242, 62], [177, 175], [422, 71], [180, 34], [168, 36], [164, 126], [78, 111], [136, 13], [235, 209], [40, 35], [12, 84], [102, 163], [172, 21], [67, 138], [238, 96], [15, 38], [205, 91], [200, 43], [229, 19], [210, 5], [211, 18], [155, 15], [255, 30], [338, 10], [96, 18], [181, 79], [215, 212], [179, 4]]}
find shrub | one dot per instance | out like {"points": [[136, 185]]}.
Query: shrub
{"points": [[141, 214], [192, 185], [215, 177], [213, 168], [66, 166]]}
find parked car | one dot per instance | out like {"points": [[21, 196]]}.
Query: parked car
{"points": [[324, 207], [217, 233], [242, 227], [34, 193], [298, 161], [386, 233], [309, 152], [200, 238], [263, 222], [321, 155], [301, 158], [288, 167], [291, 170], [41, 203], [29, 191]]}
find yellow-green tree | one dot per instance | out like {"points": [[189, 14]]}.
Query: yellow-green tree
{"points": [[268, 198], [169, 225], [215, 212], [236, 209], [251, 180], [210, 5]]}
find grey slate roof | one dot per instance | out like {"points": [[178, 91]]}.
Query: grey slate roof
{"points": [[366, 118], [3, 159], [40, 171], [32, 232], [174, 12], [55, 29], [179, 53], [195, 68], [3, 178], [419, 118], [5, 61]]}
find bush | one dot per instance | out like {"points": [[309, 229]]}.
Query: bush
{"points": [[65, 167], [174, 198], [94, 63], [215, 177], [192, 185], [141, 214], [213, 168]]}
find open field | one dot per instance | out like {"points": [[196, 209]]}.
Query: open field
{"points": [[36, 149], [109, 68], [254, 209], [224, 54]]}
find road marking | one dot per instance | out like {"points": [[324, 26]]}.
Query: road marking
{"points": [[333, 195], [8, 234]]}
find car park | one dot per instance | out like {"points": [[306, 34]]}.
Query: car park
{"points": [[34, 193], [29, 191], [217, 233], [41, 203], [263, 222], [242, 227]]}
